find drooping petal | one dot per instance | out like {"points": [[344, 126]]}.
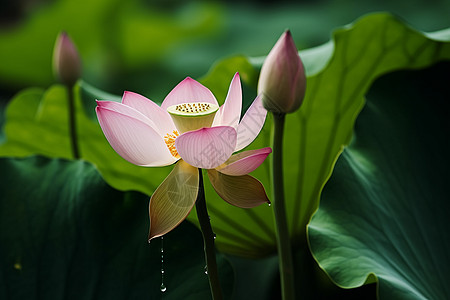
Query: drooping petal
{"points": [[230, 112], [133, 139], [190, 91], [151, 110], [207, 148], [244, 162], [173, 199], [251, 124], [241, 191]]}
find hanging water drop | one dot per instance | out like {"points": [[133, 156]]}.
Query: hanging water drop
{"points": [[214, 235], [206, 270], [270, 204], [163, 287]]}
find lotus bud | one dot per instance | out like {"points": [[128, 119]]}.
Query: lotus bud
{"points": [[66, 60], [282, 81]]}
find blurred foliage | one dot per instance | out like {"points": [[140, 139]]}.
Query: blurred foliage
{"points": [[385, 209], [113, 37], [149, 46]]}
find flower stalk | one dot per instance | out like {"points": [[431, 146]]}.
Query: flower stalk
{"points": [[282, 86], [283, 241], [72, 122], [67, 69], [208, 239]]}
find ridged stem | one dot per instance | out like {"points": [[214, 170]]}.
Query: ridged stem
{"points": [[72, 122], [283, 240], [208, 239]]}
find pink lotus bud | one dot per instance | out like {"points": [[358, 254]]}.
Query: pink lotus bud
{"points": [[282, 81], [66, 60]]}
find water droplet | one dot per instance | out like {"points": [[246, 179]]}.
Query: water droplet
{"points": [[270, 204], [206, 270], [163, 287], [149, 240], [214, 235]]}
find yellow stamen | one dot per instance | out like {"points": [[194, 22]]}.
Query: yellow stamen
{"points": [[169, 138]]}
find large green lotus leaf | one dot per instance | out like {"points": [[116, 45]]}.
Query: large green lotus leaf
{"points": [[385, 209], [66, 234], [339, 74]]}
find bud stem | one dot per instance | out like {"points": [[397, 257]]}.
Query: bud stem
{"points": [[283, 240], [72, 122], [208, 238]]}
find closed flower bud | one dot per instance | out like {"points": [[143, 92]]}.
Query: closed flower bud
{"points": [[282, 81], [66, 60]]}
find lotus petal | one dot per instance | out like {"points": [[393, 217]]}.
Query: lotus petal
{"points": [[151, 110], [207, 148], [133, 138], [251, 124], [173, 199], [241, 191], [190, 91], [229, 113], [126, 110], [244, 162]]}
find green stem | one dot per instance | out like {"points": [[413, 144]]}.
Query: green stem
{"points": [[283, 240], [208, 238], [72, 122]]}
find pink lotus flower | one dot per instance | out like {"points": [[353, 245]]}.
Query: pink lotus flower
{"points": [[190, 129]]}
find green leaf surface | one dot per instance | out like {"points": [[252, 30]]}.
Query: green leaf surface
{"points": [[376, 44], [314, 136], [66, 234], [385, 210]]}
